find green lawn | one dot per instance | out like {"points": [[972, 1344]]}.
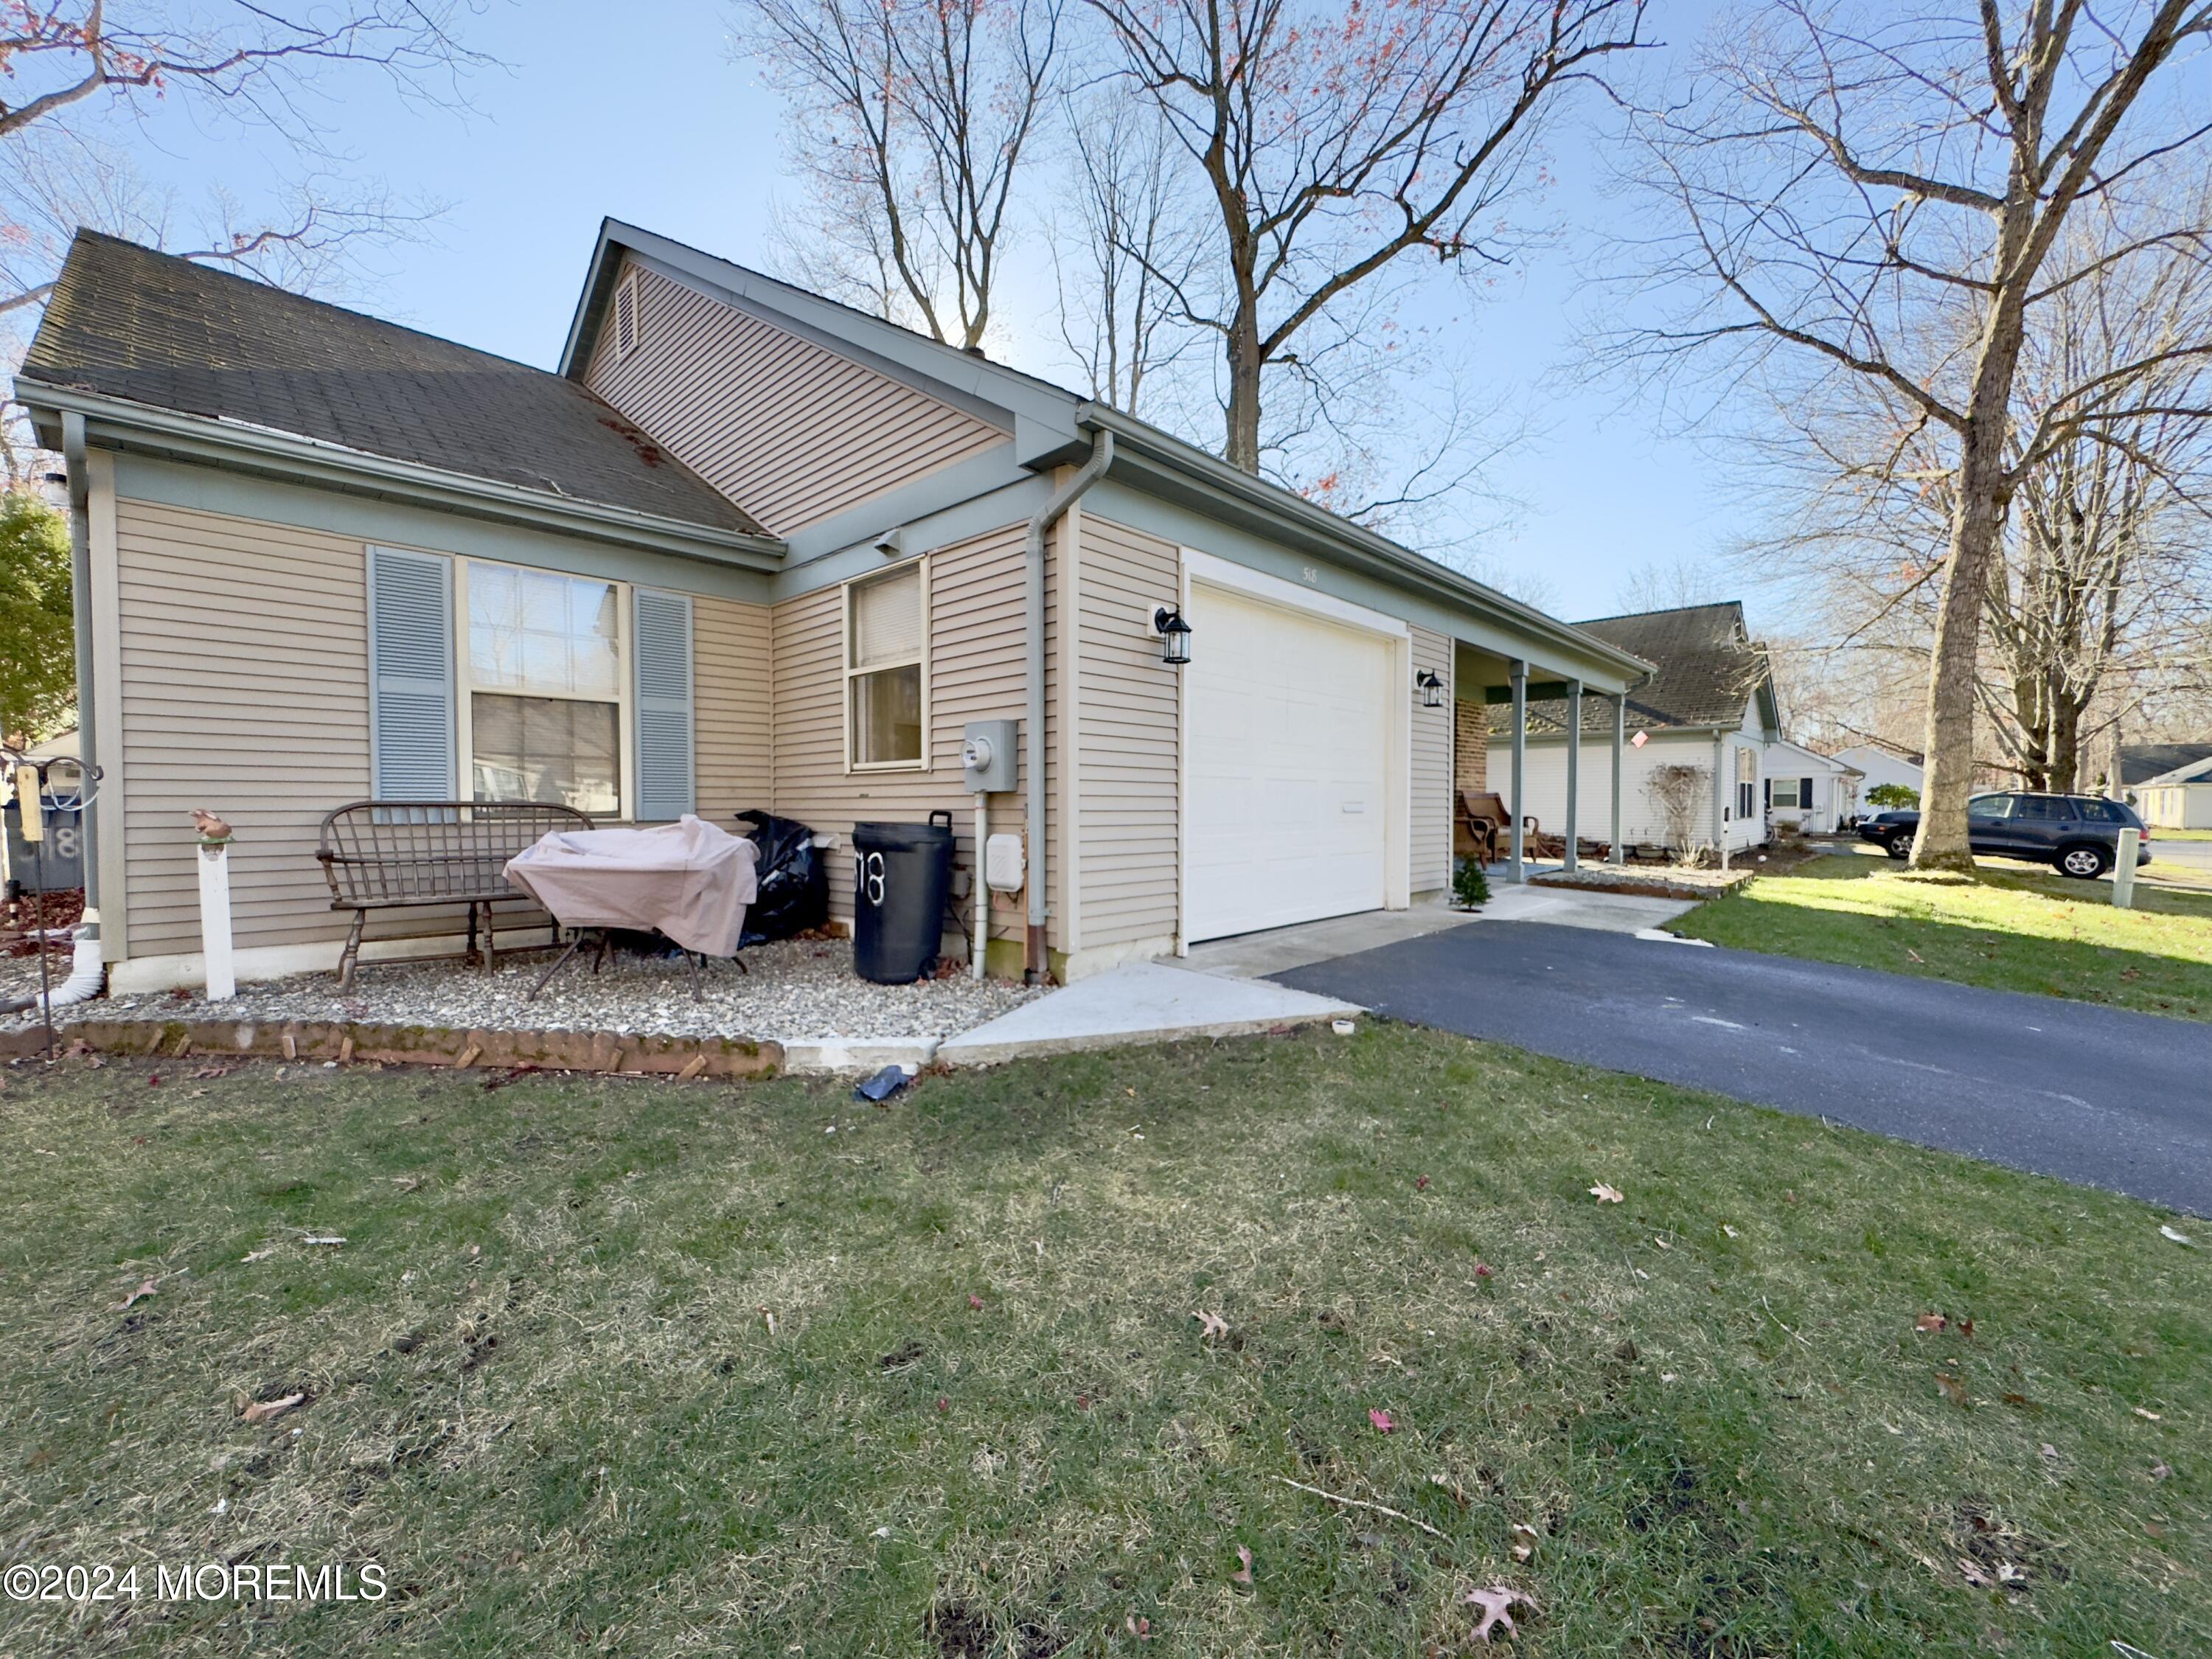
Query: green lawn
{"points": [[610, 1366], [2013, 928]]}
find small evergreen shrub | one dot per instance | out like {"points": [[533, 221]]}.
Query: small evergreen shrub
{"points": [[1470, 886]]}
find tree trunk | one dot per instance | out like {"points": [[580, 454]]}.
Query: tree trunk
{"points": [[2065, 744], [1976, 522], [1242, 447]]}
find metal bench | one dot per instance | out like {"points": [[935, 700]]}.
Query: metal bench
{"points": [[401, 855]]}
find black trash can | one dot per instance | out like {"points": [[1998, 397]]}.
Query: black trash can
{"points": [[901, 873]]}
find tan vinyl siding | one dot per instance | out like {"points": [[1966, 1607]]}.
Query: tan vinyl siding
{"points": [[244, 690], [732, 677], [1430, 843], [974, 673], [789, 430], [1128, 765]]}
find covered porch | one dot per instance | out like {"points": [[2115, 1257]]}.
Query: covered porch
{"points": [[1488, 682]]}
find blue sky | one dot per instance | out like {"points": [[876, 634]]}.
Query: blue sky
{"points": [[655, 124]]}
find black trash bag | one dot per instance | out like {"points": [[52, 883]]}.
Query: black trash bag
{"points": [[794, 879]]}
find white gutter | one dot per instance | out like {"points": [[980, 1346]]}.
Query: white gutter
{"points": [[1037, 960]]}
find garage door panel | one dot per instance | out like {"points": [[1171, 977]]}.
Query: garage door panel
{"points": [[1290, 751]]}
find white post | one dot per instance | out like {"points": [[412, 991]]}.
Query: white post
{"points": [[1574, 771], [2124, 872], [1723, 786], [1518, 871], [1619, 726], [215, 919]]}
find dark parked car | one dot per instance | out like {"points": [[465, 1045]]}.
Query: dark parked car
{"points": [[2076, 834]]}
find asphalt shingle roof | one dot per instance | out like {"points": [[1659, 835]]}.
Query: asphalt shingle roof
{"points": [[2141, 762], [1706, 667], [125, 321]]}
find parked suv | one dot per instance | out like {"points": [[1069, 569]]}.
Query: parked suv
{"points": [[2076, 834]]}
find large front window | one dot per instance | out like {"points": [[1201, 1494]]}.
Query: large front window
{"points": [[545, 670], [886, 631]]}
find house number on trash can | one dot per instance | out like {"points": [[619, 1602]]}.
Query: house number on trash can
{"points": [[868, 873]]}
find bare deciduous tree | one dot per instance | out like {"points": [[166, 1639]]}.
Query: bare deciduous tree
{"points": [[915, 119], [1842, 179], [1330, 142], [1123, 250], [1682, 796]]}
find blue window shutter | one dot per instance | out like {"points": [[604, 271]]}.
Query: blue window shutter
{"points": [[410, 668], [661, 654]]}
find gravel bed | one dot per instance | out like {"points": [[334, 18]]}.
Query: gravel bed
{"points": [[796, 989]]}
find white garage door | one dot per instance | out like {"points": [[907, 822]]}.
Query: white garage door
{"points": [[1289, 767]]}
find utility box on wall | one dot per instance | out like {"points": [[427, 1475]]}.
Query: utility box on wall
{"points": [[987, 755]]}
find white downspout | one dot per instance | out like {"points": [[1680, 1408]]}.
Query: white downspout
{"points": [[1037, 962]]}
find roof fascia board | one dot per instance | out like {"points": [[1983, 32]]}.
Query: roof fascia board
{"points": [[116, 422], [908, 505], [1044, 417], [1182, 472]]}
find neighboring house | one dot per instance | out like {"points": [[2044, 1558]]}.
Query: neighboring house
{"points": [[1709, 709], [747, 548], [1814, 792], [2139, 763], [2178, 800], [1878, 763]]}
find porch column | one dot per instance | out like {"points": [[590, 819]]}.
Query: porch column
{"points": [[1619, 731], [1721, 785], [1574, 766], [1513, 867]]}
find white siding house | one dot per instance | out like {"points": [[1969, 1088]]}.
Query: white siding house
{"points": [[1814, 792], [1877, 764], [1708, 707]]}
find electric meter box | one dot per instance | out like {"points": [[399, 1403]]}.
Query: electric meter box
{"points": [[987, 754]]}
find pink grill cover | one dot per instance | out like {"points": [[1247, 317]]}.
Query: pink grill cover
{"points": [[689, 879]]}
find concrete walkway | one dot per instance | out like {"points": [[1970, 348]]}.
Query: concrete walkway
{"points": [[1143, 1002]]}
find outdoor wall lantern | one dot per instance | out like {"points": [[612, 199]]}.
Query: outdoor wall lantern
{"points": [[1175, 637], [1431, 688]]}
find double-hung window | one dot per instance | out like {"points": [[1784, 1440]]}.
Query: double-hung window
{"points": [[887, 669], [543, 687], [504, 683], [1783, 791]]}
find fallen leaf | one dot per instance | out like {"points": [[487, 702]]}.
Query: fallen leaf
{"points": [[1210, 1325], [1954, 1390], [1140, 1628], [1973, 1575], [2160, 1471], [943, 1404], [140, 1294], [1604, 1194], [1966, 1328], [1525, 1539], [1482, 1269], [2152, 1416], [1381, 1420], [2155, 1528], [260, 1411], [1495, 1603], [2178, 1238], [1420, 1184], [2020, 1400], [1662, 1243], [2050, 1451], [1929, 1321], [261, 1255], [976, 1301], [1243, 1573]]}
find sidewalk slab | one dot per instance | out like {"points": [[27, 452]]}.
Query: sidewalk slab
{"points": [[1140, 1003]]}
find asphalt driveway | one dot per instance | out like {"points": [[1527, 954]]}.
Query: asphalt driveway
{"points": [[2101, 1096]]}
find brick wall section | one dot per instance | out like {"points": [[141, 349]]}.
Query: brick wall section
{"points": [[1470, 745]]}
